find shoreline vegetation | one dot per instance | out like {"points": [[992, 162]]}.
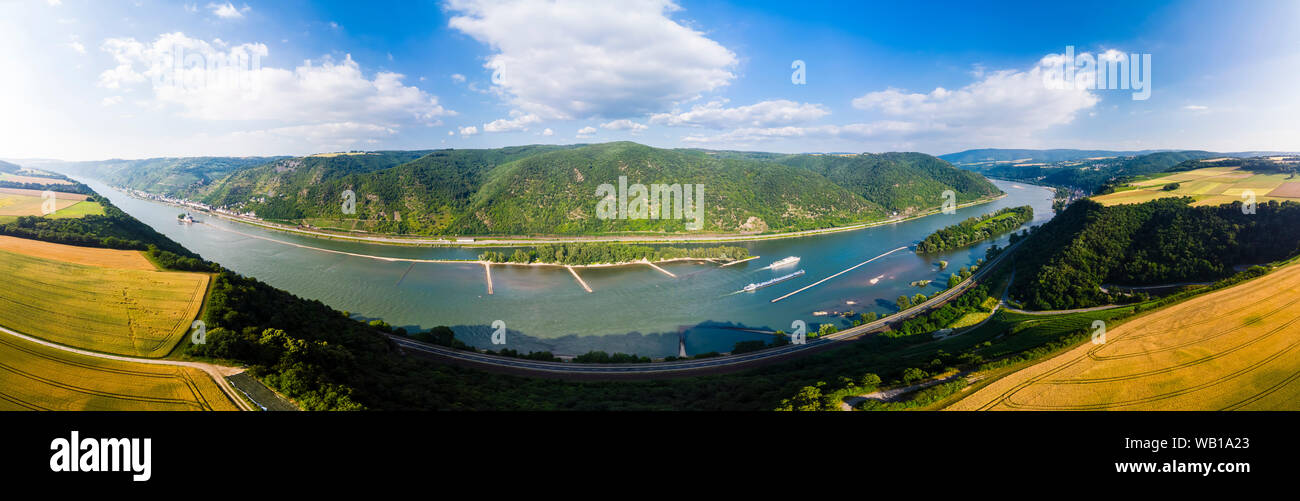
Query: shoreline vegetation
{"points": [[526, 241], [610, 254], [976, 229]]}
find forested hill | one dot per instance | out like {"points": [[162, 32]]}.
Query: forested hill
{"points": [[1164, 241], [903, 182], [552, 189], [1093, 174], [8, 167], [186, 177], [988, 155]]}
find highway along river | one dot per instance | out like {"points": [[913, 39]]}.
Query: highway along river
{"points": [[632, 309]]}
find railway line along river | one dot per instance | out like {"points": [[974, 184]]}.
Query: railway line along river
{"points": [[631, 309]]}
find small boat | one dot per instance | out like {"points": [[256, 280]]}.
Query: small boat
{"points": [[774, 281], [783, 262]]}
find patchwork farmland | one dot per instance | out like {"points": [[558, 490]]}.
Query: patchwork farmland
{"points": [[1208, 186], [17, 202], [1234, 349]]}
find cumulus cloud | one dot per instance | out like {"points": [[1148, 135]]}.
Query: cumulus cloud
{"points": [[574, 59], [201, 81], [518, 121], [227, 10], [1000, 105], [458, 78], [715, 115], [856, 131], [548, 132], [586, 132], [468, 131], [624, 124]]}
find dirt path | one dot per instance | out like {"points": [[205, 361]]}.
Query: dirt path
{"points": [[217, 372], [886, 395]]}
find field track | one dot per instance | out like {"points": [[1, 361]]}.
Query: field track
{"points": [[36, 375], [1237, 348]]}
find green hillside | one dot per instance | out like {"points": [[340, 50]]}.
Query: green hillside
{"points": [[904, 182], [544, 189], [1166, 241]]}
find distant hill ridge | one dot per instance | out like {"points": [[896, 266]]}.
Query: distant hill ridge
{"points": [[545, 189]]}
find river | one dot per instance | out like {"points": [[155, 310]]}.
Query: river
{"points": [[633, 309]]}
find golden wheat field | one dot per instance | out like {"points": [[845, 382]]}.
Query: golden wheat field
{"points": [[36, 377], [1234, 349], [1209, 186], [107, 258], [128, 312]]}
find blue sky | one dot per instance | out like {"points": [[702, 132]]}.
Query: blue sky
{"points": [[85, 81]]}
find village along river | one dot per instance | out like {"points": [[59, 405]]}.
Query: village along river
{"points": [[632, 309]]}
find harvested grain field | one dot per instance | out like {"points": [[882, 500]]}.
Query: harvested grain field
{"points": [[1237, 348], [19, 178], [36, 377], [110, 310], [1209, 186], [17, 204], [107, 258]]}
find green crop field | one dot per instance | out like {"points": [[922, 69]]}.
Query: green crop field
{"points": [[79, 209], [119, 311], [35, 377]]}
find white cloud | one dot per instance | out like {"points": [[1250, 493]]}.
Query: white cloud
{"points": [[624, 124], [76, 46], [327, 101], [576, 59], [1196, 107], [999, 107], [54, 3], [518, 121], [715, 115], [325, 92], [227, 10], [111, 101], [856, 131], [548, 132], [586, 132], [468, 131], [458, 78]]}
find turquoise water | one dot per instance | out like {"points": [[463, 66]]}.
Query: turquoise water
{"points": [[633, 309]]}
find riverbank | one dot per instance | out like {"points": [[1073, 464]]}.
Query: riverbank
{"points": [[519, 241], [487, 263]]}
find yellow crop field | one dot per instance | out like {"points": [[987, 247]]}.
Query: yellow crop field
{"points": [[120, 311], [1209, 186], [1238, 348], [108, 258], [19, 178], [36, 377]]}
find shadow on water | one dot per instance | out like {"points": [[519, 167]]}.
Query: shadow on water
{"points": [[707, 336]]}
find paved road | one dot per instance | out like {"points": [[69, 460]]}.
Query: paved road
{"points": [[217, 372], [725, 363]]}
